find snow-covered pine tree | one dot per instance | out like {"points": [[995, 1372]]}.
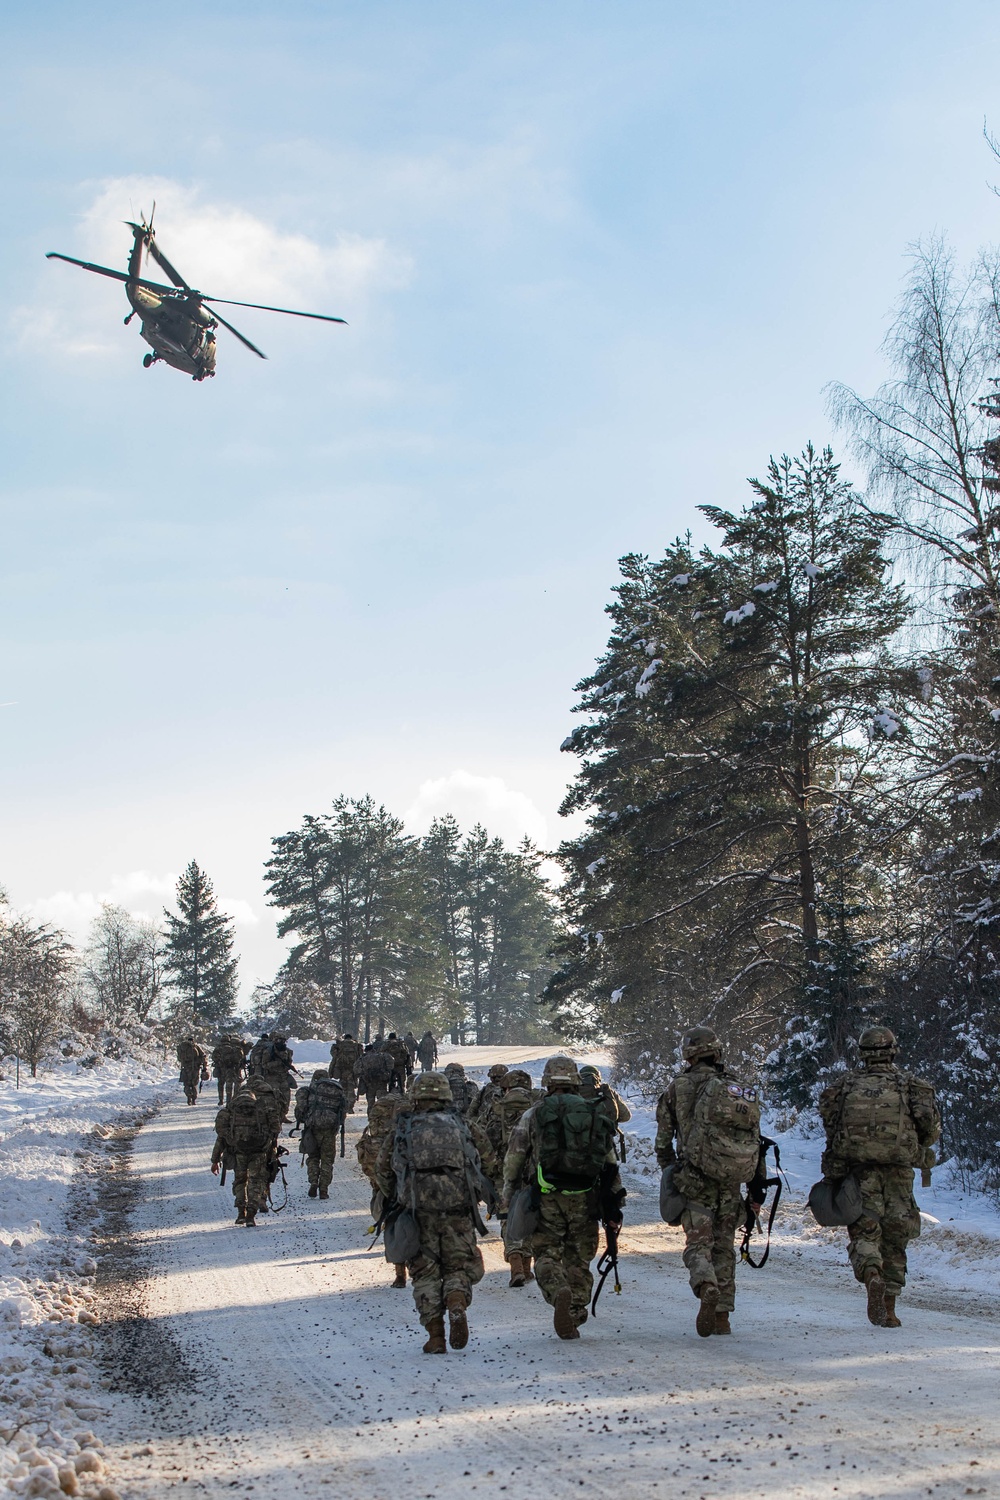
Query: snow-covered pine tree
{"points": [[198, 950], [736, 723]]}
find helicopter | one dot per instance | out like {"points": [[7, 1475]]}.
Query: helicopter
{"points": [[175, 321]]}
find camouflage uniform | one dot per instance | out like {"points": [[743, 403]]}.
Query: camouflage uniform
{"points": [[889, 1215], [318, 1142], [427, 1051], [396, 1051], [449, 1262], [194, 1067], [489, 1093], [280, 1071], [343, 1065], [373, 1072], [568, 1232], [227, 1066], [463, 1090], [250, 1168]]}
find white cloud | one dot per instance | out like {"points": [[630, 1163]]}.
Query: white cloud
{"points": [[478, 799], [141, 893], [220, 248]]}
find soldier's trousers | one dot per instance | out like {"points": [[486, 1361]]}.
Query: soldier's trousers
{"points": [[349, 1084], [228, 1083], [190, 1082], [319, 1166], [564, 1244], [250, 1180], [449, 1261], [709, 1223], [889, 1220]]}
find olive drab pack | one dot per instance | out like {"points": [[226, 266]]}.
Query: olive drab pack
{"points": [[719, 1125], [431, 1160], [884, 1117], [327, 1105], [228, 1056], [249, 1128], [575, 1141]]}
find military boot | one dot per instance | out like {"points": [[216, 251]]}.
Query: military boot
{"points": [[263, 1209], [517, 1272], [722, 1323], [313, 1190], [876, 1296], [435, 1336], [708, 1293], [529, 1274], [458, 1323], [324, 1192], [251, 1219], [891, 1321], [400, 1280], [241, 1216], [563, 1320]]}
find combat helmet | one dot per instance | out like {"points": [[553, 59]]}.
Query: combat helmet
{"points": [[455, 1068], [877, 1044], [560, 1070], [516, 1078], [700, 1043], [320, 1073], [432, 1086], [382, 1111], [496, 1072], [590, 1071]]}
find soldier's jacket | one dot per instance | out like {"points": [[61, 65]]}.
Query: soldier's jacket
{"points": [[464, 1092], [399, 1055], [673, 1106], [617, 1108], [521, 1158], [492, 1128], [379, 1127], [904, 1139], [192, 1058], [227, 1058], [344, 1057], [484, 1100], [411, 1044], [427, 1050], [373, 1068]]}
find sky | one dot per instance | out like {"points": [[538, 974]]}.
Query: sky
{"points": [[598, 263]]}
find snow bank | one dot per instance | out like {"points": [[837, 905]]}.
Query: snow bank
{"points": [[52, 1131]]}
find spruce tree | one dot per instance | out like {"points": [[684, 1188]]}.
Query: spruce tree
{"points": [[198, 952]]}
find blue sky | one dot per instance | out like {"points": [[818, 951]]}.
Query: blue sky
{"points": [[597, 261]]}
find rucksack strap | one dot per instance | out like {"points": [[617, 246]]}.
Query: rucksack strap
{"points": [[752, 1221]]}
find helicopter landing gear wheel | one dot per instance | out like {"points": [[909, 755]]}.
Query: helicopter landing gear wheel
{"points": [[147, 360]]}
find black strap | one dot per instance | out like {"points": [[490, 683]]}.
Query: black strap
{"points": [[751, 1224], [607, 1263]]}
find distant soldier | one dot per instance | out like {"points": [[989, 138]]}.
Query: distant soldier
{"points": [[260, 1053], [269, 1099], [592, 1086], [411, 1044], [244, 1144], [464, 1091], [395, 1050], [280, 1069], [427, 1051], [374, 1070], [343, 1066], [227, 1066], [430, 1166], [563, 1148], [490, 1091], [880, 1124], [491, 1130], [381, 1117], [715, 1121], [320, 1108], [194, 1067]]}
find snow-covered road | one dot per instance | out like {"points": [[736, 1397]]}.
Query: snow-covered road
{"points": [[280, 1363]]}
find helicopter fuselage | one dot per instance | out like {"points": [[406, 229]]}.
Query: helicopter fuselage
{"points": [[179, 330]]}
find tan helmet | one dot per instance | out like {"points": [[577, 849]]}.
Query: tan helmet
{"points": [[560, 1069], [432, 1086], [455, 1068], [877, 1044], [320, 1073], [497, 1072], [700, 1042], [589, 1071], [516, 1078]]}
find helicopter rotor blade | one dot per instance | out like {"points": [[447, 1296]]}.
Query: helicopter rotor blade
{"points": [[220, 319], [154, 286], [164, 264], [264, 307]]}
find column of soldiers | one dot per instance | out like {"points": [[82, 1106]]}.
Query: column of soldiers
{"points": [[547, 1161]]}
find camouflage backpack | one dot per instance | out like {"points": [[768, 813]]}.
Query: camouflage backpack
{"points": [[719, 1127], [575, 1138], [431, 1162], [874, 1120], [249, 1127], [228, 1056], [327, 1105]]}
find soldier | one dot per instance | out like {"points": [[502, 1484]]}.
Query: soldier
{"points": [[592, 1086], [427, 1051], [490, 1091], [430, 1166], [411, 1044], [260, 1053], [374, 1069], [244, 1143], [715, 1121], [880, 1124], [464, 1091], [491, 1130], [381, 1117], [395, 1050], [321, 1113], [227, 1066], [265, 1090], [280, 1069], [194, 1067], [343, 1065], [563, 1148]]}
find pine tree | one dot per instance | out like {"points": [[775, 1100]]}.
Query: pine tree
{"points": [[198, 952]]}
